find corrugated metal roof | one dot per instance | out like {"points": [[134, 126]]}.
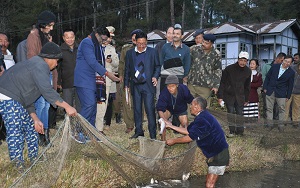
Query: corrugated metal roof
{"points": [[260, 28], [230, 28], [268, 28], [156, 35]]}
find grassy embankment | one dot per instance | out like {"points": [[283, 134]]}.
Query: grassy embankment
{"points": [[83, 171]]}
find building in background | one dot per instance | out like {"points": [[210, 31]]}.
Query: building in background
{"points": [[261, 40]]}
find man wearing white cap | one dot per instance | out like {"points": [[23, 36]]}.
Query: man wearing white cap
{"points": [[234, 90]]}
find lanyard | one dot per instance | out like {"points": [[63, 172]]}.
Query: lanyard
{"points": [[173, 99]]}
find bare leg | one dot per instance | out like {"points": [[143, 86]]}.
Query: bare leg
{"points": [[211, 180], [183, 120]]}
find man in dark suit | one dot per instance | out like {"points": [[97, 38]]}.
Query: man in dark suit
{"points": [[142, 69], [278, 86]]}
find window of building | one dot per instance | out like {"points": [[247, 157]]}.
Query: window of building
{"points": [[222, 48], [243, 47], [289, 51]]}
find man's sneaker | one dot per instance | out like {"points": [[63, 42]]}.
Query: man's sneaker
{"points": [[80, 138]]}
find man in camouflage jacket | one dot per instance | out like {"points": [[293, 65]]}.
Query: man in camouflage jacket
{"points": [[206, 69]]}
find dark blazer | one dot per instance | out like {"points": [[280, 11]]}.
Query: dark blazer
{"points": [[282, 86], [235, 85], [151, 67]]}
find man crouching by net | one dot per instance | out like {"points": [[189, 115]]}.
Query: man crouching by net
{"points": [[20, 87], [210, 138]]}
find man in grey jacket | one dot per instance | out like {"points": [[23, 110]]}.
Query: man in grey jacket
{"points": [[20, 87]]}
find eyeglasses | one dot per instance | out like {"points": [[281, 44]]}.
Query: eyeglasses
{"points": [[141, 44]]}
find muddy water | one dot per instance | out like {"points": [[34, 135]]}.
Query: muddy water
{"points": [[284, 176]]}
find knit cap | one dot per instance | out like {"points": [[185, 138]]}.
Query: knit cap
{"points": [[172, 79], [46, 17], [51, 51]]}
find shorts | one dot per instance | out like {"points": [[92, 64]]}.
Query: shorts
{"points": [[175, 119], [218, 163]]}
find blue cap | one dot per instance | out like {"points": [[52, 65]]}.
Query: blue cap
{"points": [[198, 32], [136, 31], [209, 37]]}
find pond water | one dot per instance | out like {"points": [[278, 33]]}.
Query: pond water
{"points": [[284, 176]]}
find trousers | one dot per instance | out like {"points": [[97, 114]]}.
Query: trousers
{"points": [[19, 127]]}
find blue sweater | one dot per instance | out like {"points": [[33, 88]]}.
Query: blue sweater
{"points": [[183, 97], [207, 132], [170, 52]]}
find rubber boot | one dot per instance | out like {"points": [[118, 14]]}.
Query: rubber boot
{"points": [[47, 137], [118, 118]]}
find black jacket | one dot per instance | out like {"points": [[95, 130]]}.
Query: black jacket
{"points": [[66, 66], [235, 84]]}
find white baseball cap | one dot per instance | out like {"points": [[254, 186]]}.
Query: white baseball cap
{"points": [[244, 55]]}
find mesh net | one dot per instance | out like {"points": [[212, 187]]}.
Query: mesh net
{"points": [[269, 133], [135, 160]]}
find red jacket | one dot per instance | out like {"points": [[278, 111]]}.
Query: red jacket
{"points": [[255, 84]]}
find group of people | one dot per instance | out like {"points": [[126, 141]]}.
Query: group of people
{"points": [[93, 76]]}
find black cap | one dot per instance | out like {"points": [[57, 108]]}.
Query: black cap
{"points": [[135, 31], [198, 32], [209, 37], [51, 51], [46, 17]]}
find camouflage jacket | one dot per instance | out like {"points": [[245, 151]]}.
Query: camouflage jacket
{"points": [[125, 48], [206, 69]]}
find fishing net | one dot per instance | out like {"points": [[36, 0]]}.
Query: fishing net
{"points": [[269, 133], [134, 159]]}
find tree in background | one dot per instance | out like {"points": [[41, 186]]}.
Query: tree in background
{"points": [[17, 16]]}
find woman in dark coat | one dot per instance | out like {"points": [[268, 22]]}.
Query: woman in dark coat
{"points": [[252, 108]]}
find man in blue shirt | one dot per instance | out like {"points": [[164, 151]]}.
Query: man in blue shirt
{"points": [[210, 138], [175, 58], [278, 86], [173, 101]]}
